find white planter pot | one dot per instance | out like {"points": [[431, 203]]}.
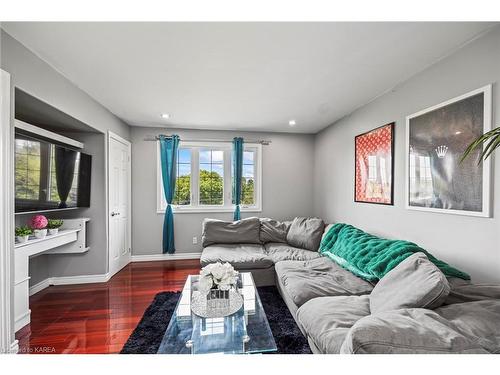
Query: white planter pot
{"points": [[40, 233], [22, 239], [53, 231]]}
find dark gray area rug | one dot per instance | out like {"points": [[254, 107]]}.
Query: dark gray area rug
{"points": [[148, 334]]}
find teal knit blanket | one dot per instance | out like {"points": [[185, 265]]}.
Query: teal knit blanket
{"points": [[371, 257]]}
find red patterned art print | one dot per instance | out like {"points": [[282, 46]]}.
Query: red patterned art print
{"points": [[374, 166]]}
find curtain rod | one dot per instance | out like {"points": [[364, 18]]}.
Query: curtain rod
{"points": [[261, 141]]}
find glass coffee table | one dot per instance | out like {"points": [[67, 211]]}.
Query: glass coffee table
{"points": [[245, 331]]}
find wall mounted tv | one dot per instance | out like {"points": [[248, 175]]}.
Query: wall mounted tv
{"points": [[49, 176]]}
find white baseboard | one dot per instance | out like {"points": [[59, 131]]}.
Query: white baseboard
{"points": [[69, 280], [14, 347], [160, 257], [84, 279], [22, 320], [39, 286]]}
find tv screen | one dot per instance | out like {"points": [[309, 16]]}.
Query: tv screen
{"points": [[50, 176]]}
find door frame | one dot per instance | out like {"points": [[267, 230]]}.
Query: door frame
{"points": [[8, 343], [116, 137]]}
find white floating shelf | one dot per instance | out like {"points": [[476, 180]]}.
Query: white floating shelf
{"points": [[71, 239], [37, 245]]}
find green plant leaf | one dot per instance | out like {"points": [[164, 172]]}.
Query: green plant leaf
{"points": [[493, 139], [492, 146]]}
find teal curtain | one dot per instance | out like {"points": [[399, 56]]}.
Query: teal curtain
{"points": [[168, 152], [237, 174]]}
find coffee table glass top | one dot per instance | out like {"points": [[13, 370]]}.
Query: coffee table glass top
{"points": [[246, 331]]}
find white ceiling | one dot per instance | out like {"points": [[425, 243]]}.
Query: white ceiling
{"points": [[243, 76]]}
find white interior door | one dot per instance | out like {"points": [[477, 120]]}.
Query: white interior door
{"points": [[118, 202]]}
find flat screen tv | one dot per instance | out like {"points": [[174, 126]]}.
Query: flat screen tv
{"points": [[49, 176]]}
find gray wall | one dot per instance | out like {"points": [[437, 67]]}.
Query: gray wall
{"points": [[286, 183], [37, 78], [93, 262], [472, 244]]}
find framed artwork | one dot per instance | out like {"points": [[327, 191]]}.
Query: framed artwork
{"points": [[374, 166], [435, 141]]}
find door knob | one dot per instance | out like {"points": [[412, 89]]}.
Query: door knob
{"points": [[115, 213]]}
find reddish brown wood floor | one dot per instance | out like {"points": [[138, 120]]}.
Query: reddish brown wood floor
{"points": [[99, 318]]}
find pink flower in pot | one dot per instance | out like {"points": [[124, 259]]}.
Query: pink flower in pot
{"points": [[39, 223]]}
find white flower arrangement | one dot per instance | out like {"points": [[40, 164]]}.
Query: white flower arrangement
{"points": [[217, 275]]}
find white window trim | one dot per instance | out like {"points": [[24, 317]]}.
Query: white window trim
{"points": [[228, 207]]}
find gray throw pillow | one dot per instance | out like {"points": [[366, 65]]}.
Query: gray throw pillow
{"points": [[227, 232], [414, 283], [305, 233], [273, 231]]}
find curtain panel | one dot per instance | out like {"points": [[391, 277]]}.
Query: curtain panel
{"points": [[168, 152], [237, 175]]}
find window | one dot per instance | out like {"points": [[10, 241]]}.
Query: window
{"points": [[35, 172], [182, 195], [211, 177], [204, 178], [27, 166], [248, 178]]}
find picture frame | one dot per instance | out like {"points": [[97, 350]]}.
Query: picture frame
{"points": [[374, 166], [436, 138]]}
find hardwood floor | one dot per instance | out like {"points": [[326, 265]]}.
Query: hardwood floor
{"points": [[98, 318]]}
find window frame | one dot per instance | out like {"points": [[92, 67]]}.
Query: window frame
{"points": [[195, 207]]}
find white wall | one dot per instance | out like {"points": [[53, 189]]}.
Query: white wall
{"points": [[472, 244], [286, 183]]}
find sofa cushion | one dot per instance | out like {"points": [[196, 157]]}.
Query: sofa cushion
{"points": [[415, 282], [319, 277], [469, 292], [282, 251], [327, 320], [273, 230], [407, 331], [306, 233], [240, 256], [479, 320], [228, 232]]}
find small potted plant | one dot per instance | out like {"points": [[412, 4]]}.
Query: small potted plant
{"points": [[53, 226], [23, 233], [39, 225]]}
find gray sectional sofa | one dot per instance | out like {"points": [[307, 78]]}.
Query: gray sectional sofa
{"points": [[256, 245], [413, 309]]}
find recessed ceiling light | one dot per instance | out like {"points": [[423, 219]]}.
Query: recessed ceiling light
{"points": [[292, 123], [457, 133], [166, 116]]}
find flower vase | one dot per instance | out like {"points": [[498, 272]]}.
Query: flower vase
{"points": [[53, 231], [22, 239], [40, 233], [217, 299]]}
